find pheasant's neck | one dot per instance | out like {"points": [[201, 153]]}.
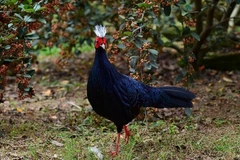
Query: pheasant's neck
{"points": [[102, 64], [101, 58]]}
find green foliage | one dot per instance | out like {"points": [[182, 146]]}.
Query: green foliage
{"points": [[140, 35], [47, 51], [145, 28], [20, 22], [138, 29]]}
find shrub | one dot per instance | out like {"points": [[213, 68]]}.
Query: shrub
{"points": [[19, 23], [139, 29]]}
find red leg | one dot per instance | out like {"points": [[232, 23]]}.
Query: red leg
{"points": [[117, 145], [127, 133]]}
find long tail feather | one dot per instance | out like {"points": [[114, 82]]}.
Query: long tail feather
{"points": [[176, 97]]}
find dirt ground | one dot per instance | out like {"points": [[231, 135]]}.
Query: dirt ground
{"points": [[61, 96]]}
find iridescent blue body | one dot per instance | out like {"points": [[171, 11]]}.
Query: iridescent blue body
{"points": [[118, 97]]}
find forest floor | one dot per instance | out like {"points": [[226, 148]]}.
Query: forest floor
{"points": [[58, 123]]}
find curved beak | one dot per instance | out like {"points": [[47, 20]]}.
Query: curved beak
{"points": [[103, 46]]}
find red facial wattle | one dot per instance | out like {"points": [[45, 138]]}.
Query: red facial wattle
{"points": [[99, 41]]}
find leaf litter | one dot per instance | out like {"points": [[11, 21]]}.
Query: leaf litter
{"points": [[60, 116]]}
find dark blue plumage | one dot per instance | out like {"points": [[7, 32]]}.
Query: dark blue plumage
{"points": [[118, 97]]}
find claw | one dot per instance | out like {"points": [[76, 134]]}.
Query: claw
{"points": [[127, 133], [114, 153]]}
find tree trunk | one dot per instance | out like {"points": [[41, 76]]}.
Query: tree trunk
{"points": [[223, 62]]}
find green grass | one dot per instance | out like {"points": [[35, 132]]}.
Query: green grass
{"points": [[150, 140], [49, 51], [220, 121], [53, 52], [85, 48], [32, 150], [22, 129]]}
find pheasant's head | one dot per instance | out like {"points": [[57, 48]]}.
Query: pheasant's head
{"points": [[101, 40]]}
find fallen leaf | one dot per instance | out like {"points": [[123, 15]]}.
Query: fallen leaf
{"points": [[53, 117], [221, 90], [56, 143], [47, 92], [226, 79], [208, 89], [75, 105], [64, 82], [19, 110]]}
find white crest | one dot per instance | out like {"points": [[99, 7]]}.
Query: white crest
{"points": [[100, 31]]}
